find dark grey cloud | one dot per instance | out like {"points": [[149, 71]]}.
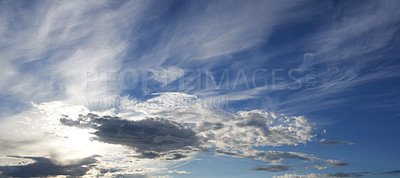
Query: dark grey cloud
{"points": [[338, 164], [177, 156], [149, 155], [392, 172], [43, 167], [151, 138], [342, 174], [227, 153], [273, 168], [276, 155]]}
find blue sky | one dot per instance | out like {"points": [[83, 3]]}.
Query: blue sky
{"points": [[200, 88]]}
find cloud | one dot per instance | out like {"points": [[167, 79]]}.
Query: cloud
{"points": [[273, 168], [330, 162], [43, 167], [177, 172], [335, 163], [341, 174], [149, 137], [392, 172]]}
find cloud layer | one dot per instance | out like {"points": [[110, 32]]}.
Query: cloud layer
{"points": [[170, 127]]}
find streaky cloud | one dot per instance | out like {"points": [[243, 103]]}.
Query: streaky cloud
{"points": [[273, 168]]}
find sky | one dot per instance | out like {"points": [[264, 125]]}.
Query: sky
{"points": [[179, 88]]}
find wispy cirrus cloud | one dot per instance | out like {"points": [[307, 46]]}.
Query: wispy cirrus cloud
{"points": [[51, 50]]}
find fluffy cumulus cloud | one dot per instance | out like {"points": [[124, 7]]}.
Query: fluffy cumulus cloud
{"points": [[233, 134]]}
